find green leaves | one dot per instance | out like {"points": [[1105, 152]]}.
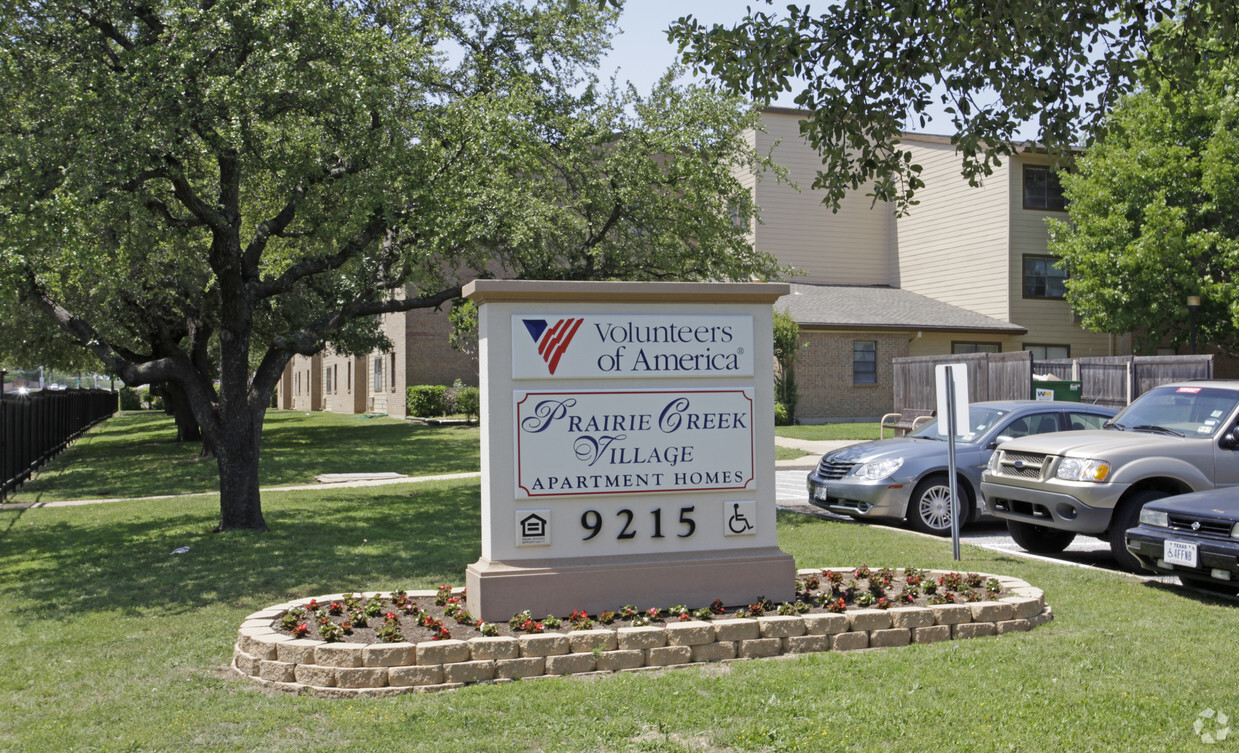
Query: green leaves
{"points": [[1154, 216], [867, 68]]}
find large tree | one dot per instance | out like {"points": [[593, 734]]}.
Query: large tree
{"points": [[1154, 215], [865, 68], [198, 191]]}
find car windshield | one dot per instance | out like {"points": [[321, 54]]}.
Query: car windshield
{"points": [[1180, 411], [980, 419]]}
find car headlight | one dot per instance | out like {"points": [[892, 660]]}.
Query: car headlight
{"points": [[878, 469], [1234, 532], [992, 465], [1078, 469], [1154, 518]]}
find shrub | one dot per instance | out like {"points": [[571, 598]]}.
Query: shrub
{"points": [[427, 400], [130, 399], [465, 399], [782, 416]]}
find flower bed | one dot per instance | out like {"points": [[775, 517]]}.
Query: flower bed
{"points": [[268, 651]]}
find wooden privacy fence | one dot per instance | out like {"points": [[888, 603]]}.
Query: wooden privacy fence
{"points": [[34, 428], [1105, 380]]}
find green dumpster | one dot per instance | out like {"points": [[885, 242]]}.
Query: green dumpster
{"points": [[1057, 389]]}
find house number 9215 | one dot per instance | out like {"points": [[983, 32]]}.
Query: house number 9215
{"points": [[626, 520]]}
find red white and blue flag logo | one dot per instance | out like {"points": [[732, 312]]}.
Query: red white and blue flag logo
{"points": [[552, 339]]}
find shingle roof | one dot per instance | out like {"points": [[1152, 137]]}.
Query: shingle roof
{"points": [[864, 307]]}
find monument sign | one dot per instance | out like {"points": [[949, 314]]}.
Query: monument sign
{"points": [[627, 446]]}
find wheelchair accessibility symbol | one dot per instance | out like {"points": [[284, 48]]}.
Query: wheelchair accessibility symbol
{"points": [[740, 518]]}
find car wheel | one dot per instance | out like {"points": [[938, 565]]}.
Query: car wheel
{"points": [[929, 509], [1039, 539], [1128, 516], [1205, 584]]}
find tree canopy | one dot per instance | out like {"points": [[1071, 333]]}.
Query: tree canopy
{"points": [[1154, 215], [869, 66], [197, 191]]}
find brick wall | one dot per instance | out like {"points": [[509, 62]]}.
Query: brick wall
{"points": [[430, 358], [824, 379]]}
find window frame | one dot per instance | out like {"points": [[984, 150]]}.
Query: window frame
{"points": [[1044, 346], [1051, 181], [957, 343], [872, 361], [1024, 278]]}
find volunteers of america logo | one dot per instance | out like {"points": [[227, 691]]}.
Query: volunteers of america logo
{"points": [[554, 339], [1218, 724]]}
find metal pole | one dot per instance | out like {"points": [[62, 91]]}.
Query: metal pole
{"points": [[4, 480], [953, 481]]}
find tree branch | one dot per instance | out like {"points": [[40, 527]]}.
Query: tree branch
{"points": [[307, 267]]}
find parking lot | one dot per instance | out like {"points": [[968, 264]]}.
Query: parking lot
{"points": [[1085, 551]]}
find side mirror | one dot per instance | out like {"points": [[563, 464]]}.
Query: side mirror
{"points": [[999, 440], [1230, 439]]}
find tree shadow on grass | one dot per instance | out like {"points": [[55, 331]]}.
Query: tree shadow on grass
{"points": [[318, 544]]}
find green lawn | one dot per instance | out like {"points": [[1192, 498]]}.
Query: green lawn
{"points": [[134, 454], [829, 431], [110, 642]]}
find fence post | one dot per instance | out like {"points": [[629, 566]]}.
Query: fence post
{"points": [[3, 456]]}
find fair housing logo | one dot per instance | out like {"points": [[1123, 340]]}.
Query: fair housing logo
{"points": [[595, 345]]}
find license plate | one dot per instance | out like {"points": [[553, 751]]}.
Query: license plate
{"points": [[1180, 553], [819, 493]]}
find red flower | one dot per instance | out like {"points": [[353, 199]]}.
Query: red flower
{"points": [[685, 617], [312, 605], [301, 630]]}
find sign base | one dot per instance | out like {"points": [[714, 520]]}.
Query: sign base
{"points": [[497, 590]]}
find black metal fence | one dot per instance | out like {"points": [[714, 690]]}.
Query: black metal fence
{"points": [[35, 427]]}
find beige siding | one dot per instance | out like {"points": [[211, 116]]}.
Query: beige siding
{"points": [[1049, 322], [953, 245], [852, 247]]}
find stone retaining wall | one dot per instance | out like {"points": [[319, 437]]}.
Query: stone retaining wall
{"points": [[351, 669]]}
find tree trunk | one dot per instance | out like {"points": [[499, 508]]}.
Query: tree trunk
{"points": [[236, 447], [176, 403]]}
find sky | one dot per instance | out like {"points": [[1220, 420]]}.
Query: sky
{"points": [[641, 52]]}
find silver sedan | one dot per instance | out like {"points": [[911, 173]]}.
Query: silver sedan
{"points": [[906, 478]]}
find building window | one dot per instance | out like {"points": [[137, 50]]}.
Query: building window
{"points": [[1042, 189], [1047, 352], [327, 380], [864, 362], [1043, 278], [393, 372], [297, 381], [348, 375], [378, 374], [975, 347]]}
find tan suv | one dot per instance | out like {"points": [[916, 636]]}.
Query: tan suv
{"points": [[1174, 439]]}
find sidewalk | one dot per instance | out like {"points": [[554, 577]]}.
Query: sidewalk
{"points": [[813, 452]]}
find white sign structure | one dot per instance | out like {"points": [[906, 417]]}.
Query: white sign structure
{"points": [[627, 446], [546, 345], [633, 442]]}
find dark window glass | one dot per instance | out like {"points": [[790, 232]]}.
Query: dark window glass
{"points": [[1043, 278], [864, 362], [958, 348], [1042, 189]]}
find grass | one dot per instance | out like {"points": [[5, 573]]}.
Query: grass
{"points": [[817, 432], [135, 454], [112, 643]]}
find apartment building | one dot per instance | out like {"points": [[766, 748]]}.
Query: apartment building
{"points": [[967, 270]]}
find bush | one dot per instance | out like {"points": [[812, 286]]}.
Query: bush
{"points": [[465, 399], [130, 399], [782, 416], [427, 400]]}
